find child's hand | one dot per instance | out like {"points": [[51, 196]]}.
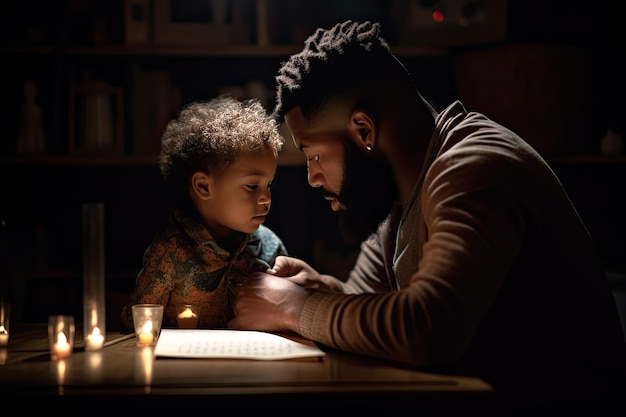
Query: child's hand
{"points": [[303, 274], [285, 266]]}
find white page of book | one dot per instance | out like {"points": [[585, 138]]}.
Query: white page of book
{"points": [[233, 344]]}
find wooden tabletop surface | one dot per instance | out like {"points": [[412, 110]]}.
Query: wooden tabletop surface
{"points": [[125, 371]]}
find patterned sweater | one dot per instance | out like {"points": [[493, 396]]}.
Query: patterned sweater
{"points": [[184, 265]]}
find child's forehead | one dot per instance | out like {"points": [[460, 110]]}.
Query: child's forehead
{"points": [[250, 163]]}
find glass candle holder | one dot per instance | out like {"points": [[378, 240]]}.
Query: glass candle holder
{"points": [[5, 315], [61, 336], [147, 320]]}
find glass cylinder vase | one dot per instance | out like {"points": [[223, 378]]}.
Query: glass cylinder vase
{"points": [[94, 320]]}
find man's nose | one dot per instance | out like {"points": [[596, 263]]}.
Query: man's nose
{"points": [[315, 177]]}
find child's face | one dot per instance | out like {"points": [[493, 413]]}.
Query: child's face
{"points": [[240, 194]]}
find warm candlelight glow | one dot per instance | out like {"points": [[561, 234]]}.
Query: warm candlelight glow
{"points": [[187, 319], [61, 376], [4, 336], [144, 359], [95, 340], [187, 313], [145, 336], [61, 349], [5, 309]]}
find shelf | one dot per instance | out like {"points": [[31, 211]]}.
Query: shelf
{"points": [[120, 161], [196, 51], [70, 160], [285, 159], [587, 159]]}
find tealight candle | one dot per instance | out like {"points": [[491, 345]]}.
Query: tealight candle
{"points": [[60, 336], [4, 336], [5, 310], [145, 336], [147, 321], [187, 319], [95, 340], [61, 349]]}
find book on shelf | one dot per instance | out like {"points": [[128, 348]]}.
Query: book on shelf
{"points": [[137, 22], [156, 102]]}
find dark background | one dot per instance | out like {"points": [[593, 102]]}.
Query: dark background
{"points": [[555, 76]]}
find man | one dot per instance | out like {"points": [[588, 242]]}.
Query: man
{"points": [[473, 259]]}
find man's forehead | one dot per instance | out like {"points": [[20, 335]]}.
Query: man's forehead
{"points": [[329, 118]]}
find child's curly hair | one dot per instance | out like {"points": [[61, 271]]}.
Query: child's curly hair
{"points": [[206, 136]]}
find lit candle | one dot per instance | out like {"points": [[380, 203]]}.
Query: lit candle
{"points": [[95, 340], [4, 336], [61, 349], [145, 336], [187, 319], [186, 313]]}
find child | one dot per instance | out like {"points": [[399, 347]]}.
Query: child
{"points": [[222, 154]]}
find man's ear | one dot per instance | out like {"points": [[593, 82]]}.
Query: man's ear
{"points": [[201, 184], [364, 129]]}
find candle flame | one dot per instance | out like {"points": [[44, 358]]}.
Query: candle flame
{"points": [[187, 313], [147, 327], [94, 316]]}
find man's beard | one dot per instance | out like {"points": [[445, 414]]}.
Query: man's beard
{"points": [[368, 192]]}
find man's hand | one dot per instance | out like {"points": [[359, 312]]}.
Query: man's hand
{"points": [[268, 303]]}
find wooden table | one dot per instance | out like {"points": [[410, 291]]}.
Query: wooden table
{"points": [[123, 374]]}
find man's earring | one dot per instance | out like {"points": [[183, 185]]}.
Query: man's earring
{"points": [[368, 147]]}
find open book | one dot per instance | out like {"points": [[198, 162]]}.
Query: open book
{"points": [[232, 344]]}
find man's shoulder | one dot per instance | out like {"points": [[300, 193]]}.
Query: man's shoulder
{"points": [[471, 139]]}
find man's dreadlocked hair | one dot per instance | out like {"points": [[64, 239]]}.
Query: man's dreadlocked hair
{"points": [[333, 61]]}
